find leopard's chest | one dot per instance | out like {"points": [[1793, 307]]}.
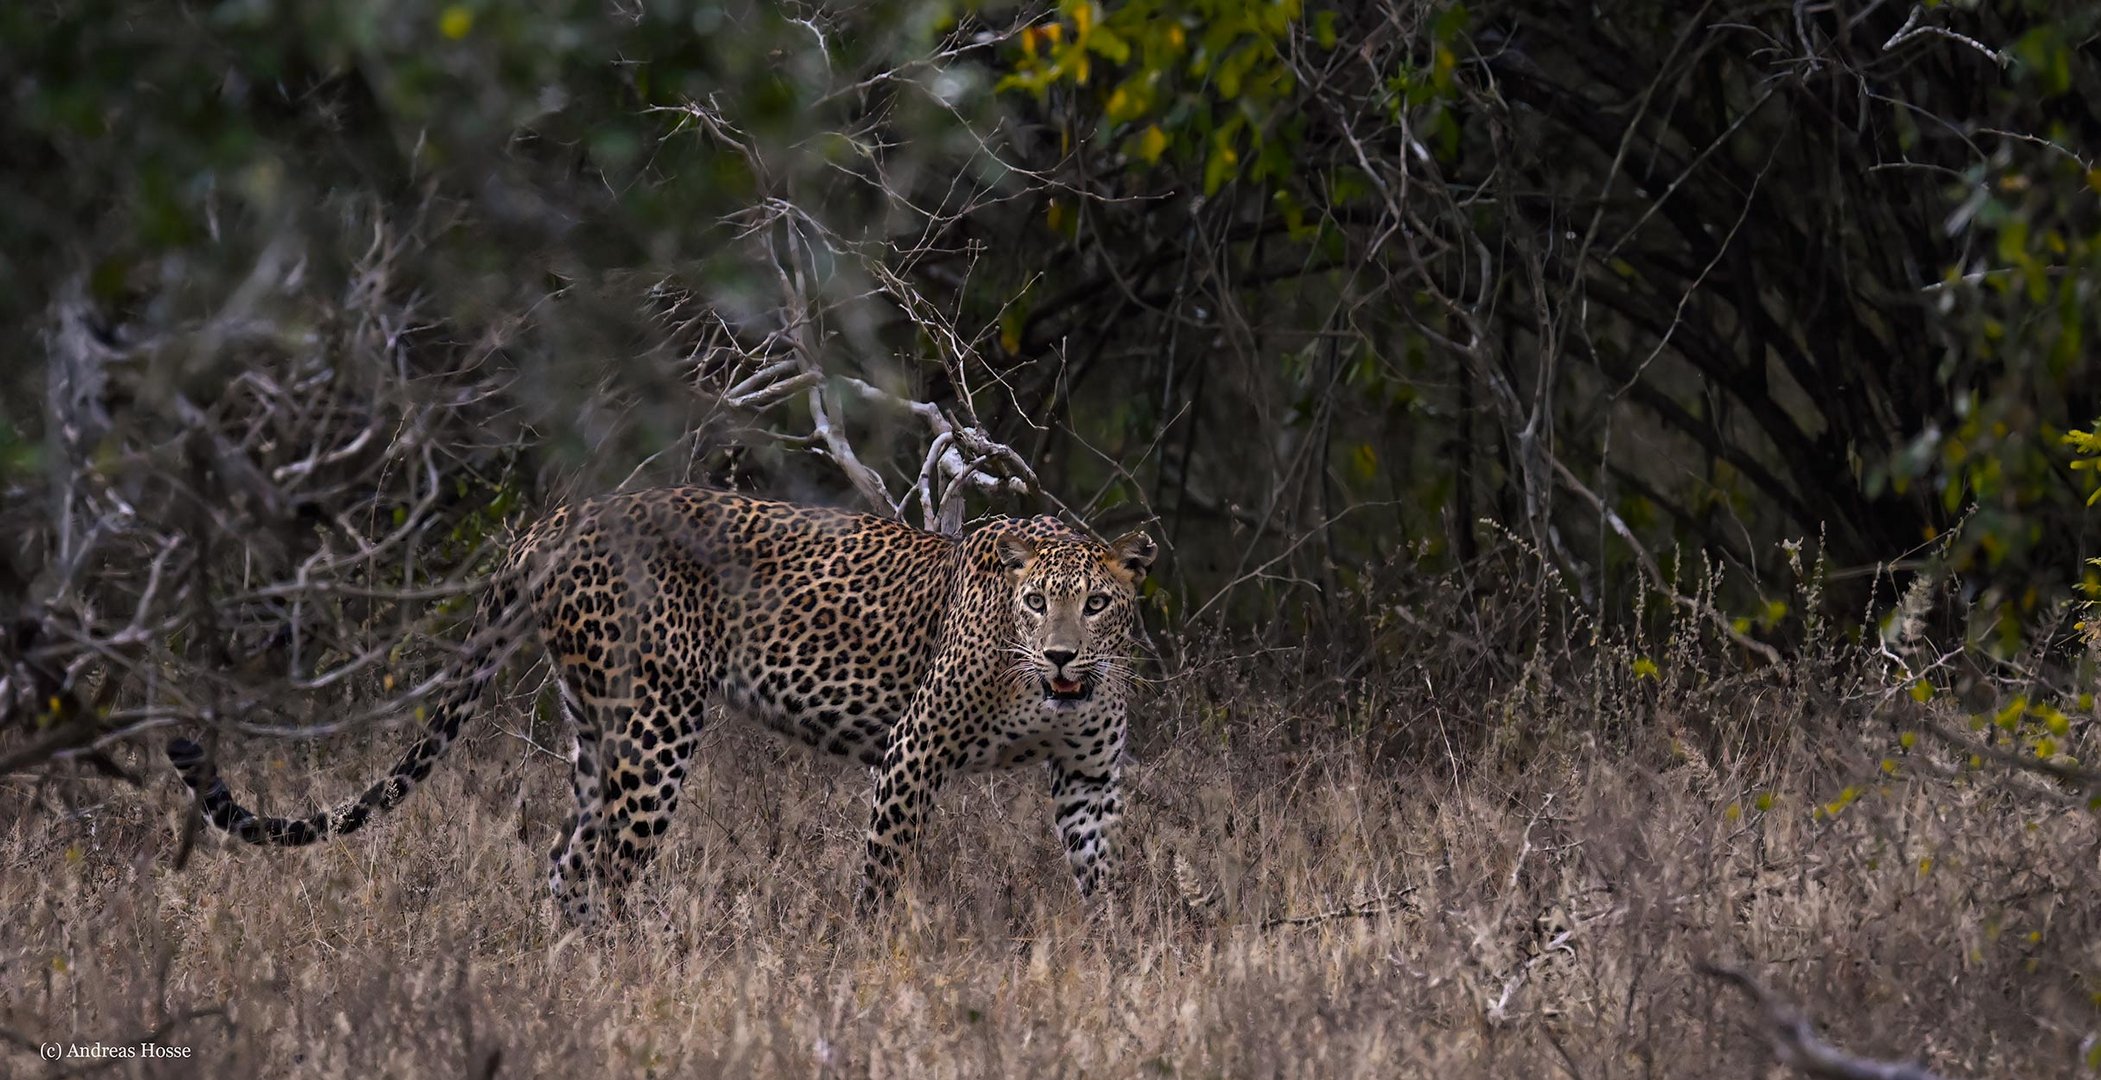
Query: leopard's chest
{"points": [[1026, 730]]}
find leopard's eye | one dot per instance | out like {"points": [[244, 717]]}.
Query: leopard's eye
{"points": [[1096, 603], [1034, 600]]}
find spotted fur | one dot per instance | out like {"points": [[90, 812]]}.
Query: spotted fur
{"points": [[921, 655]]}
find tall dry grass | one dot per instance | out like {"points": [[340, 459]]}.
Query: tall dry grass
{"points": [[1406, 870]]}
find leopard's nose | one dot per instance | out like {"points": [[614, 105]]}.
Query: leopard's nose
{"points": [[1059, 657]]}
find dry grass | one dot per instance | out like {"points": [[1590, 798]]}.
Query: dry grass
{"points": [[1556, 885]]}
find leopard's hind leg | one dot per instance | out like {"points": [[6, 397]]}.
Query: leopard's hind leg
{"points": [[646, 754], [574, 861], [631, 759]]}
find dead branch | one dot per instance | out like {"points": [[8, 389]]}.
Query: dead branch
{"points": [[218, 554], [1795, 1041], [789, 363], [2086, 781]]}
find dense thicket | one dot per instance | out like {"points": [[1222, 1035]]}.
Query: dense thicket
{"points": [[303, 300]]}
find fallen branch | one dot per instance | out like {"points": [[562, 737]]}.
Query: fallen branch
{"points": [[1368, 908], [1795, 1041]]}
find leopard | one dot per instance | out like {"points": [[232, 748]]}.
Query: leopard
{"points": [[920, 655]]}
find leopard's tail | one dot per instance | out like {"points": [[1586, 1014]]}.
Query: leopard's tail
{"points": [[495, 622]]}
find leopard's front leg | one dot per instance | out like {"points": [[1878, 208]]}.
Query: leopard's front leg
{"points": [[1088, 803], [915, 765]]}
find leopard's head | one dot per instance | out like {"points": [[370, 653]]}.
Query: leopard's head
{"points": [[1074, 603]]}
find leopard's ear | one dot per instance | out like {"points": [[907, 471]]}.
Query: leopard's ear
{"points": [[1016, 552], [1134, 552]]}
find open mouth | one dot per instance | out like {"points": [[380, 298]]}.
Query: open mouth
{"points": [[1059, 688]]}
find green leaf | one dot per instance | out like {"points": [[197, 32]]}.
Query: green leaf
{"points": [[1221, 166], [1151, 143], [1324, 29]]}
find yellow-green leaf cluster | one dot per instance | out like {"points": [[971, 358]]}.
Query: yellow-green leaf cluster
{"points": [[1207, 84]]}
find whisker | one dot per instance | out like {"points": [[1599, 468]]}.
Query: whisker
{"points": [[1020, 672], [1123, 671]]}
